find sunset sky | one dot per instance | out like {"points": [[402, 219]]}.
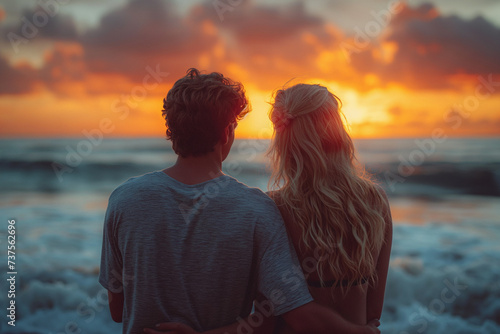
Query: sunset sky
{"points": [[401, 69]]}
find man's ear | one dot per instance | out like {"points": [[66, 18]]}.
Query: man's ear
{"points": [[225, 136]]}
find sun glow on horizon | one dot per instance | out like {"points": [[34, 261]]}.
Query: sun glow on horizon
{"points": [[402, 82]]}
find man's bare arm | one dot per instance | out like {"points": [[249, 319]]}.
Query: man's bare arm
{"points": [[306, 319], [116, 305], [315, 318], [265, 326]]}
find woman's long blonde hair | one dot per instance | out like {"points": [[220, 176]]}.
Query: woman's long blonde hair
{"points": [[329, 197]]}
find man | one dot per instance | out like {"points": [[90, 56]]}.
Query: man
{"points": [[192, 245]]}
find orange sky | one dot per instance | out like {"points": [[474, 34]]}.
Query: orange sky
{"points": [[408, 76]]}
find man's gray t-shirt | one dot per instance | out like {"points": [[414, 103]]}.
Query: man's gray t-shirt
{"points": [[196, 254]]}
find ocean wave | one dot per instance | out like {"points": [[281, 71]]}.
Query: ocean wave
{"points": [[442, 280], [403, 167], [428, 180], [437, 178]]}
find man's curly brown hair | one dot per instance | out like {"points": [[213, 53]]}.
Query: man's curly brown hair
{"points": [[198, 108]]}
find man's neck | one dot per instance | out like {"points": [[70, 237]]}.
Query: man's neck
{"points": [[194, 170]]}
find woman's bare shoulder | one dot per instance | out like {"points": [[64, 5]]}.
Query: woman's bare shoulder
{"points": [[386, 210]]}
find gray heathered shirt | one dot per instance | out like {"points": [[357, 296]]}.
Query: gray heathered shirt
{"points": [[196, 254]]}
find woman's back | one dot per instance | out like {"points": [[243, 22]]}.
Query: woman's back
{"points": [[353, 304]]}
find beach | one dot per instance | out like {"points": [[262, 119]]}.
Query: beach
{"points": [[445, 201]]}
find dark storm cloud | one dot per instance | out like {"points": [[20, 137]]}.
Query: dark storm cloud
{"points": [[42, 23], [263, 25], [431, 49], [272, 44], [144, 33], [16, 80]]}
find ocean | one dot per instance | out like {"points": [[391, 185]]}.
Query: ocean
{"points": [[445, 200]]}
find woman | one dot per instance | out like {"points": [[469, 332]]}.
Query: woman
{"points": [[338, 220]]}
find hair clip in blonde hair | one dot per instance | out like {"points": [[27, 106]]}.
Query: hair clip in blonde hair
{"points": [[281, 119]]}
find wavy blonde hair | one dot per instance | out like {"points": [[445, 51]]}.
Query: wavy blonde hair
{"points": [[328, 195]]}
